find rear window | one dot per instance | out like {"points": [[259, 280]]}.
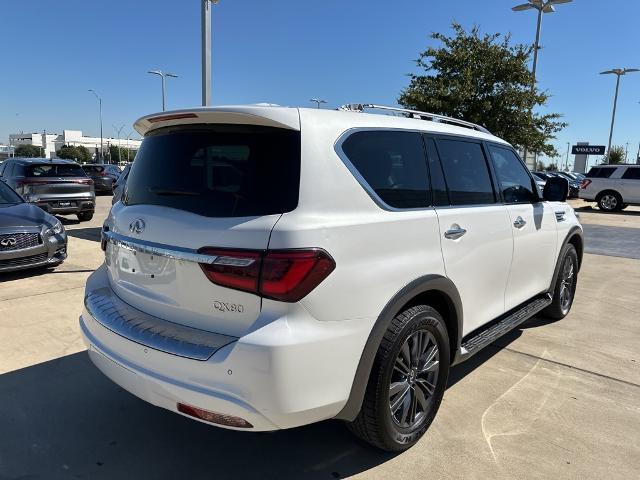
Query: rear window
{"points": [[600, 172], [218, 170], [53, 170], [93, 168]]}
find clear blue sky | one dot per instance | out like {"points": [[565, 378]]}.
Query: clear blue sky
{"points": [[288, 51]]}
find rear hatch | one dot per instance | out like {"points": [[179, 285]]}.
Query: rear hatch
{"points": [[52, 180], [218, 187]]}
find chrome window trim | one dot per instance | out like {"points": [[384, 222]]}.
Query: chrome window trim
{"points": [[159, 249], [153, 332]]}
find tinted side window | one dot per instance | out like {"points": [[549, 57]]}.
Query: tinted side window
{"points": [[600, 172], [466, 172], [632, 173], [515, 183], [438, 185], [393, 164]]}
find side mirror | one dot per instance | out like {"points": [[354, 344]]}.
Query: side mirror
{"points": [[556, 189]]}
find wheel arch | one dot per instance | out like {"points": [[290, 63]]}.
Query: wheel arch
{"points": [[575, 237], [434, 290]]}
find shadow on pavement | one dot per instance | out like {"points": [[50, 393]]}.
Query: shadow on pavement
{"points": [[64, 419], [90, 233], [624, 213]]}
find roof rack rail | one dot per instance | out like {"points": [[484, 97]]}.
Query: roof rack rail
{"points": [[361, 107]]}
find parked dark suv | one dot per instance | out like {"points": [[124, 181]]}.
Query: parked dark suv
{"points": [[56, 186], [104, 176]]}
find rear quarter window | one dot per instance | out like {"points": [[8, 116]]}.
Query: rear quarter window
{"points": [[218, 170], [392, 164], [632, 173]]}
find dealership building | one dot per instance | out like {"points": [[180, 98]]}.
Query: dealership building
{"points": [[51, 142]]}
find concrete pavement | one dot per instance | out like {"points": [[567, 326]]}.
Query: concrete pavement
{"points": [[550, 400]]}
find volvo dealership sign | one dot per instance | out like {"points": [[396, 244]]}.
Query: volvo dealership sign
{"points": [[588, 150]]}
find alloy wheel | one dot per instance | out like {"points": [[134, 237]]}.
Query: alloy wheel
{"points": [[609, 202], [566, 286], [413, 380]]}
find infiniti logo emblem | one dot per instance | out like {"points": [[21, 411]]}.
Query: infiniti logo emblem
{"points": [[137, 226], [8, 242]]}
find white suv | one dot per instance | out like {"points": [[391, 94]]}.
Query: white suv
{"points": [[271, 267], [613, 187]]}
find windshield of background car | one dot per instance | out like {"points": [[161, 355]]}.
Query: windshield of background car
{"points": [[7, 195], [54, 170]]}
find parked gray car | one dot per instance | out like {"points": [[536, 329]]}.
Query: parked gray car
{"points": [[56, 186], [118, 187], [29, 236]]}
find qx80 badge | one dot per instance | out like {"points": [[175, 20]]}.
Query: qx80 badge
{"points": [[228, 307]]}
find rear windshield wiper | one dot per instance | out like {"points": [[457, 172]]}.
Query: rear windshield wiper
{"points": [[176, 193]]}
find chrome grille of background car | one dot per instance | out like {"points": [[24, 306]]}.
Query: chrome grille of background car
{"points": [[22, 240]]}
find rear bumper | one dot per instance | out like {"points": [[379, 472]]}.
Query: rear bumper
{"points": [[53, 205], [103, 184], [292, 371], [586, 195]]}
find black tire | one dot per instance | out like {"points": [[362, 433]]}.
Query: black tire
{"points": [[609, 201], [85, 216], [376, 423], [561, 304]]}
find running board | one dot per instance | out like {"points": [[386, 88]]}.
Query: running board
{"points": [[488, 335]]}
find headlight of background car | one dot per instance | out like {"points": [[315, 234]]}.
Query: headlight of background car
{"points": [[57, 229]]}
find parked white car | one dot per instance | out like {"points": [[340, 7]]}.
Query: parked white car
{"points": [[271, 267], [613, 187]]}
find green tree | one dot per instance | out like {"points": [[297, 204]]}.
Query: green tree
{"points": [[77, 153], [485, 80], [616, 155], [28, 151]]}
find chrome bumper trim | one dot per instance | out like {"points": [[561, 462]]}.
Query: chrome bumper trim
{"points": [[159, 249], [150, 331]]}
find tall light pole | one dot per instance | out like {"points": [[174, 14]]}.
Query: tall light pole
{"points": [[542, 6], [566, 163], [318, 101], [101, 138], [206, 51], [128, 149], [618, 72], [119, 130], [163, 75]]}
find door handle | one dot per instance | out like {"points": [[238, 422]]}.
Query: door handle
{"points": [[454, 232], [519, 223]]}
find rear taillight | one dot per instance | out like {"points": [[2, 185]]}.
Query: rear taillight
{"points": [[238, 269], [84, 181], [284, 275], [585, 183]]}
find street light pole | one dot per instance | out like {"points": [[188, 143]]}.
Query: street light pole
{"points": [[101, 137], [566, 163], [618, 72], [541, 6], [163, 75], [206, 51], [318, 101]]}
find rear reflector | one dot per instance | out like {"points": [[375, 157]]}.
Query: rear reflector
{"points": [[175, 116], [213, 417], [284, 275], [585, 183]]}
